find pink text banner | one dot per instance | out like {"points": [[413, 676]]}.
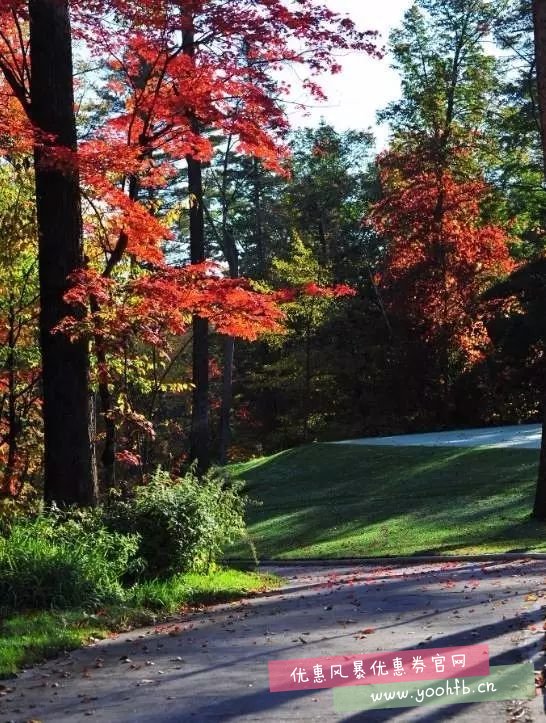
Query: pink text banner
{"points": [[376, 668]]}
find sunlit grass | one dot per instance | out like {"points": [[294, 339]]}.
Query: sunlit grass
{"points": [[27, 638], [332, 501]]}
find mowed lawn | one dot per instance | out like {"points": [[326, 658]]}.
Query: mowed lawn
{"points": [[331, 501]]}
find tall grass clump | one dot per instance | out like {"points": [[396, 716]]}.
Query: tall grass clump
{"points": [[54, 561]]}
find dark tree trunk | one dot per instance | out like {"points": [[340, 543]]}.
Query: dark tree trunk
{"points": [[232, 255], [539, 507], [227, 399], [307, 384], [200, 433], [258, 225], [539, 21], [108, 456], [200, 442], [69, 470]]}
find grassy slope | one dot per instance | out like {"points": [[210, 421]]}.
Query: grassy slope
{"points": [[29, 638], [324, 501]]}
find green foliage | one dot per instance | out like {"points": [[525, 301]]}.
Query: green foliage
{"points": [[20, 412], [87, 558], [53, 561], [297, 384], [448, 79], [182, 523], [333, 180]]}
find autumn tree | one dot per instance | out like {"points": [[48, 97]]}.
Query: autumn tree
{"points": [[439, 147], [36, 62], [173, 74], [539, 23], [216, 78], [435, 270]]}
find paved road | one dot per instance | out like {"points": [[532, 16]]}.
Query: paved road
{"points": [[212, 665], [525, 436]]}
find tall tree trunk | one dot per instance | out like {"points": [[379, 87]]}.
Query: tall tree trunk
{"points": [[307, 383], [539, 21], [69, 470], [227, 399], [108, 456], [232, 255], [200, 442], [200, 434], [258, 225]]}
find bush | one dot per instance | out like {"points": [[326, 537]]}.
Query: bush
{"points": [[182, 523], [54, 561], [27, 504]]}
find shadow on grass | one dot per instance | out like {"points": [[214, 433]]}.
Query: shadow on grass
{"points": [[331, 501]]}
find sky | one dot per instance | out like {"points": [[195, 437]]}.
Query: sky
{"points": [[365, 85]]}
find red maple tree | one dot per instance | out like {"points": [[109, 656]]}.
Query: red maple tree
{"points": [[440, 255], [169, 73]]}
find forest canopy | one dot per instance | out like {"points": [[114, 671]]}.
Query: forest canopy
{"points": [[186, 278]]}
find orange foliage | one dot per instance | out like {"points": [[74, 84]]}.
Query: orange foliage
{"points": [[440, 255]]}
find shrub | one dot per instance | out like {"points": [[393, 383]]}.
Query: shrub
{"points": [[54, 561], [182, 523], [27, 504]]}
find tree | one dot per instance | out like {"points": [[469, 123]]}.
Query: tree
{"points": [[44, 85], [448, 80], [214, 80], [436, 268], [441, 150], [329, 188], [226, 181], [164, 79], [199, 435], [539, 23]]}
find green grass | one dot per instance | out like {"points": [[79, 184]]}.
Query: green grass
{"points": [[331, 501], [30, 638]]}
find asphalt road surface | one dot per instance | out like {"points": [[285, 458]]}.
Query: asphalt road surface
{"points": [[211, 665]]}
